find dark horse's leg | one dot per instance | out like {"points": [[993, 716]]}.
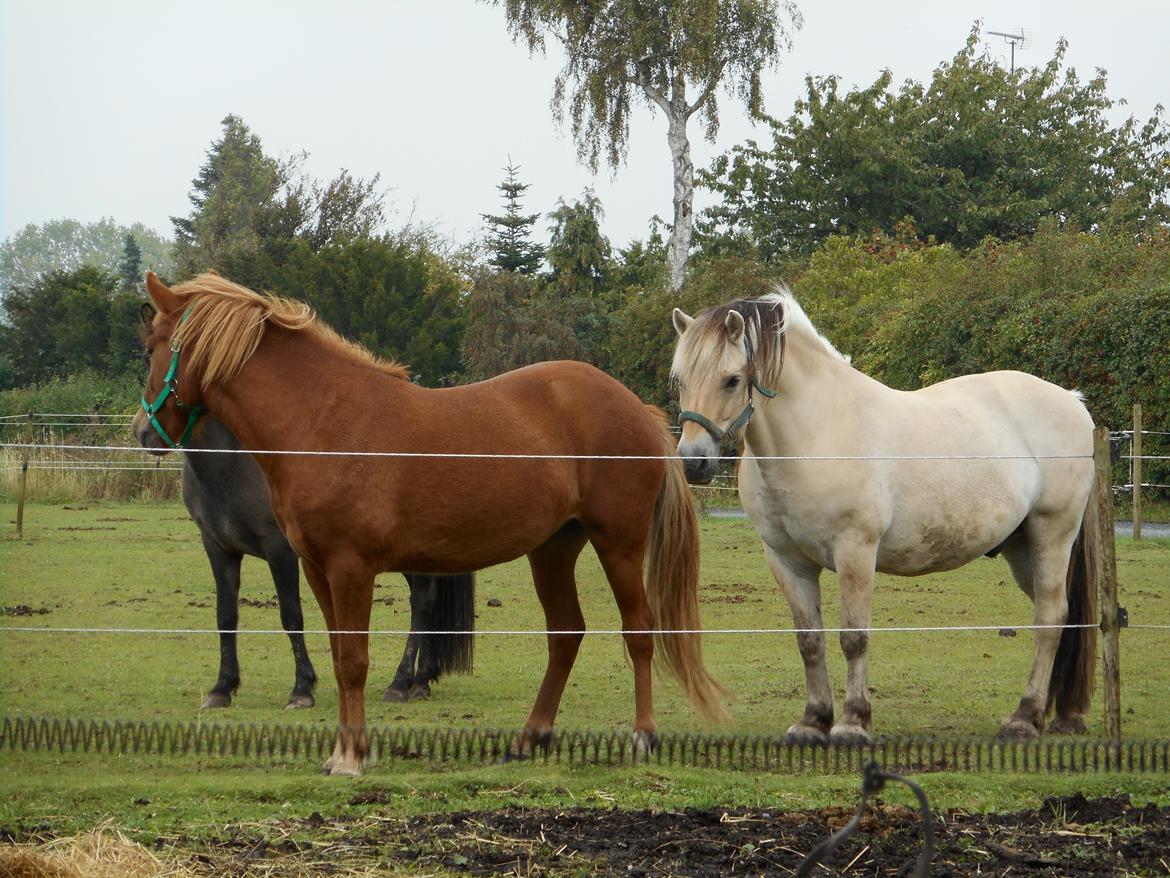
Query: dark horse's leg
{"points": [[284, 564], [407, 684], [225, 567]]}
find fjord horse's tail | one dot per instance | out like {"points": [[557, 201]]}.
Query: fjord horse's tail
{"points": [[1071, 688], [672, 587]]}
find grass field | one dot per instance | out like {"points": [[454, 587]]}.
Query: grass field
{"points": [[104, 564]]}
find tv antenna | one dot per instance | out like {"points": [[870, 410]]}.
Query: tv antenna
{"points": [[1014, 39]]}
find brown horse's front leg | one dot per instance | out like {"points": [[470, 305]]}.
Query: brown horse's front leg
{"points": [[352, 588], [346, 594], [320, 586]]}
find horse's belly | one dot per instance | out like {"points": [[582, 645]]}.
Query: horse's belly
{"points": [[934, 545]]}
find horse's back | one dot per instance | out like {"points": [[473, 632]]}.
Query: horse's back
{"points": [[1016, 405]]}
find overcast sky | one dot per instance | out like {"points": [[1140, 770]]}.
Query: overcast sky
{"points": [[107, 108]]}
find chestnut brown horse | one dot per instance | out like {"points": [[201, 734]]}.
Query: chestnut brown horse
{"points": [[443, 481]]}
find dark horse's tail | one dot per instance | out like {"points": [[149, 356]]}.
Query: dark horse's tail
{"points": [[453, 610], [1073, 670], [672, 580]]}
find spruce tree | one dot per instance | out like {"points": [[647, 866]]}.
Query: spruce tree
{"points": [[509, 235], [130, 268]]}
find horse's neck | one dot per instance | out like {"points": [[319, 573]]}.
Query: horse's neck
{"points": [[280, 399], [816, 385], [212, 435]]}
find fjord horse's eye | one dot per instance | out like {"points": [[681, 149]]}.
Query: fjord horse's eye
{"points": [[732, 382]]}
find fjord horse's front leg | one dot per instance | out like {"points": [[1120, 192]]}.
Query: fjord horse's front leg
{"points": [[553, 565], [802, 589], [855, 573]]}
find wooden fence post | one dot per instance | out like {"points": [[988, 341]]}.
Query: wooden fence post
{"points": [[1107, 585], [23, 479], [1137, 471]]}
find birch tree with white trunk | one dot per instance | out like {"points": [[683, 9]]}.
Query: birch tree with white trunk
{"points": [[674, 55]]}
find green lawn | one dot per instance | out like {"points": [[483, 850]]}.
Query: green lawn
{"points": [[129, 565]]}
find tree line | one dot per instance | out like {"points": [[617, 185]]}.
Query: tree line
{"points": [[983, 219]]}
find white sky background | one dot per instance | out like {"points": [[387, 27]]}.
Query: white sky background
{"points": [[108, 108]]}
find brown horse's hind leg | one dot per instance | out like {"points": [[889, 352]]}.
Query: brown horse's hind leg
{"points": [[624, 571], [553, 565]]}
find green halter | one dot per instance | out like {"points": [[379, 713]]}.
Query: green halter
{"points": [[745, 417], [170, 387]]}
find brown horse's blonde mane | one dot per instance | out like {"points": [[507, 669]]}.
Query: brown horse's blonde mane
{"points": [[226, 322]]}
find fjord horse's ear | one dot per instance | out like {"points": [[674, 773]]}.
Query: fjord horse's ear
{"points": [[681, 321], [147, 313], [734, 326], [161, 294]]}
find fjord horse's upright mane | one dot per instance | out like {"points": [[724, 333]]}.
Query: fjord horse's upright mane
{"points": [[588, 463]]}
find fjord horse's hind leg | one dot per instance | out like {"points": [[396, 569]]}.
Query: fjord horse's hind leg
{"points": [[283, 564], [225, 567], [553, 565], [1039, 561], [1048, 545]]}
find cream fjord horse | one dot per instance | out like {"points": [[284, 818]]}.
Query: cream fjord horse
{"points": [[919, 482]]}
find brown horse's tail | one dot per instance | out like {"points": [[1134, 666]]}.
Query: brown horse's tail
{"points": [[1073, 670], [672, 579]]}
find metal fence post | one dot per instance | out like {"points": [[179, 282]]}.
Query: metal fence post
{"points": [[1137, 471]]}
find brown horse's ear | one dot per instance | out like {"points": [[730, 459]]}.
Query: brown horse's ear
{"points": [[682, 321], [161, 294], [147, 313], [734, 325]]}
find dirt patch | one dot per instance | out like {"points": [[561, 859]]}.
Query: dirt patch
{"points": [[1067, 836], [23, 610]]}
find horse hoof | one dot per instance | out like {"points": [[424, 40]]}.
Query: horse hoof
{"points": [[849, 736], [805, 736], [420, 690], [1017, 730], [646, 743], [1068, 725], [215, 700], [299, 702], [527, 746], [398, 696]]}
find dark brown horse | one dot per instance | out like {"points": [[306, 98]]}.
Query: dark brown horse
{"points": [[537, 477]]}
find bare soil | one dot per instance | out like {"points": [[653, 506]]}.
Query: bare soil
{"points": [[1068, 836]]}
